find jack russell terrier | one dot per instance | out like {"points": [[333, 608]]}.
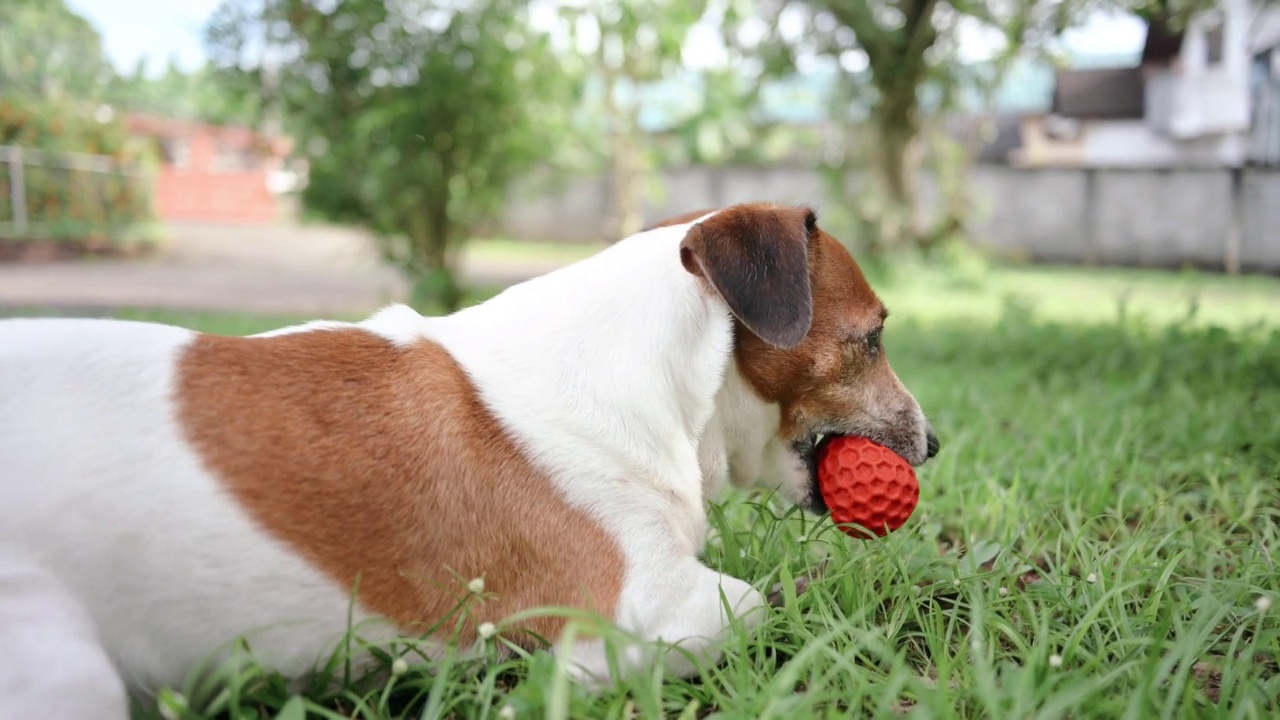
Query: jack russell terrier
{"points": [[164, 492]]}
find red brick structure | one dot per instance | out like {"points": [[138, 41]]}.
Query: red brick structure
{"points": [[212, 173]]}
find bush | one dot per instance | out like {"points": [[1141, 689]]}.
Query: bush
{"points": [[86, 181]]}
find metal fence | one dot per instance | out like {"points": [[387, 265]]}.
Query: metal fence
{"points": [[70, 196]]}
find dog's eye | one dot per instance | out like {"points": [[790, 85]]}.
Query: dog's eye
{"points": [[873, 341]]}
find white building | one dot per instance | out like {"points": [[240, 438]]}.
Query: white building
{"points": [[1208, 96]]}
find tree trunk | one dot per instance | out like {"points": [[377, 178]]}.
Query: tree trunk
{"points": [[896, 56], [444, 275], [626, 161], [628, 185], [895, 169], [434, 260]]}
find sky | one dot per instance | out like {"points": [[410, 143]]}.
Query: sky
{"points": [[152, 30], [156, 30]]}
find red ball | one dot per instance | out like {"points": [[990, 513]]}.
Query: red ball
{"points": [[867, 484]]}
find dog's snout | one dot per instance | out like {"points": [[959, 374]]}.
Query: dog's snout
{"points": [[932, 445]]}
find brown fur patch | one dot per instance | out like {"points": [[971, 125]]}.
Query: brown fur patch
{"points": [[382, 463], [756, 257]]}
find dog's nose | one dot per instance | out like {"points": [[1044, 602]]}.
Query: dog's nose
{"points": [[931, 442]]}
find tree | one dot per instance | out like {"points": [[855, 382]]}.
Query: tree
{"points": [[638, 51], [415, 115], [902, 48], [195, 95], [49, 53], [631, 45]]}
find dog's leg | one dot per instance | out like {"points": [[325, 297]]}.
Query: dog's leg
{"points": [[51, 665], [695, 617], [682, 604]]}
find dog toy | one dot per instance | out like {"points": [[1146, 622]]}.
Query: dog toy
{"points": [[867, 484]]}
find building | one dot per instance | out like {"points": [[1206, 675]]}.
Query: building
{"points": [[1205, 96], [215, 173]]}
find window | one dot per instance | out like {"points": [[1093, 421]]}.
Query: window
{"points": [[1213, 45], [1213, 39]]}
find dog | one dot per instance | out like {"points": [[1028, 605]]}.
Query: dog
{"points": [[164, 492]]}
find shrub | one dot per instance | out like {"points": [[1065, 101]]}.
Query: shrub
{"points": [[86, 182]]}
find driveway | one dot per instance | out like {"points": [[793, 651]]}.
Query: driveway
{"points": [[278, 270]]}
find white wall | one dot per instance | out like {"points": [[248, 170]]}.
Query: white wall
{"points": [[1201, 98]]}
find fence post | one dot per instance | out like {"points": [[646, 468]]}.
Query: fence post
{"points": [[18, 192], [1091, 219], [1235, 223]]}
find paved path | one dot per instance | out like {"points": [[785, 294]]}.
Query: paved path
{"points": [[286, 270]]}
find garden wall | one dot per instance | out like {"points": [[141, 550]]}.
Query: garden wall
{"points": [[1118, 217]]}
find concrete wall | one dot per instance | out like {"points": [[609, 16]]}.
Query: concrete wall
{"points": [[1142, 217], [1260, 236]]}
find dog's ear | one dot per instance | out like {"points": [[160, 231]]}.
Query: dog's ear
{"points": [[757, 258]]}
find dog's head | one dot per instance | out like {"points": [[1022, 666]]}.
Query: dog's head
{"points": [[810, 357]]}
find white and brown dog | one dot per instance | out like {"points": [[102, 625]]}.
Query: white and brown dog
{"points": [[163, 492]]}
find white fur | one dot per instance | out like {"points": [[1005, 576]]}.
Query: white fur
{"points": [[51, 662], [611, 373], [755, 456]]}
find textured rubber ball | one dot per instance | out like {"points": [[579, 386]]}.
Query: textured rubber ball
{"points": [[865, 484]]}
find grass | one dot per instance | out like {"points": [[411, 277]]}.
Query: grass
{"points": [[529, 251], [1095, 540]]}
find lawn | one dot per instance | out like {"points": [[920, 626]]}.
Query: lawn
{"points": [[528, 251], [1099, 537]]}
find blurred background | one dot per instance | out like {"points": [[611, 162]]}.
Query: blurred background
{"points": [[323, 157]]}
